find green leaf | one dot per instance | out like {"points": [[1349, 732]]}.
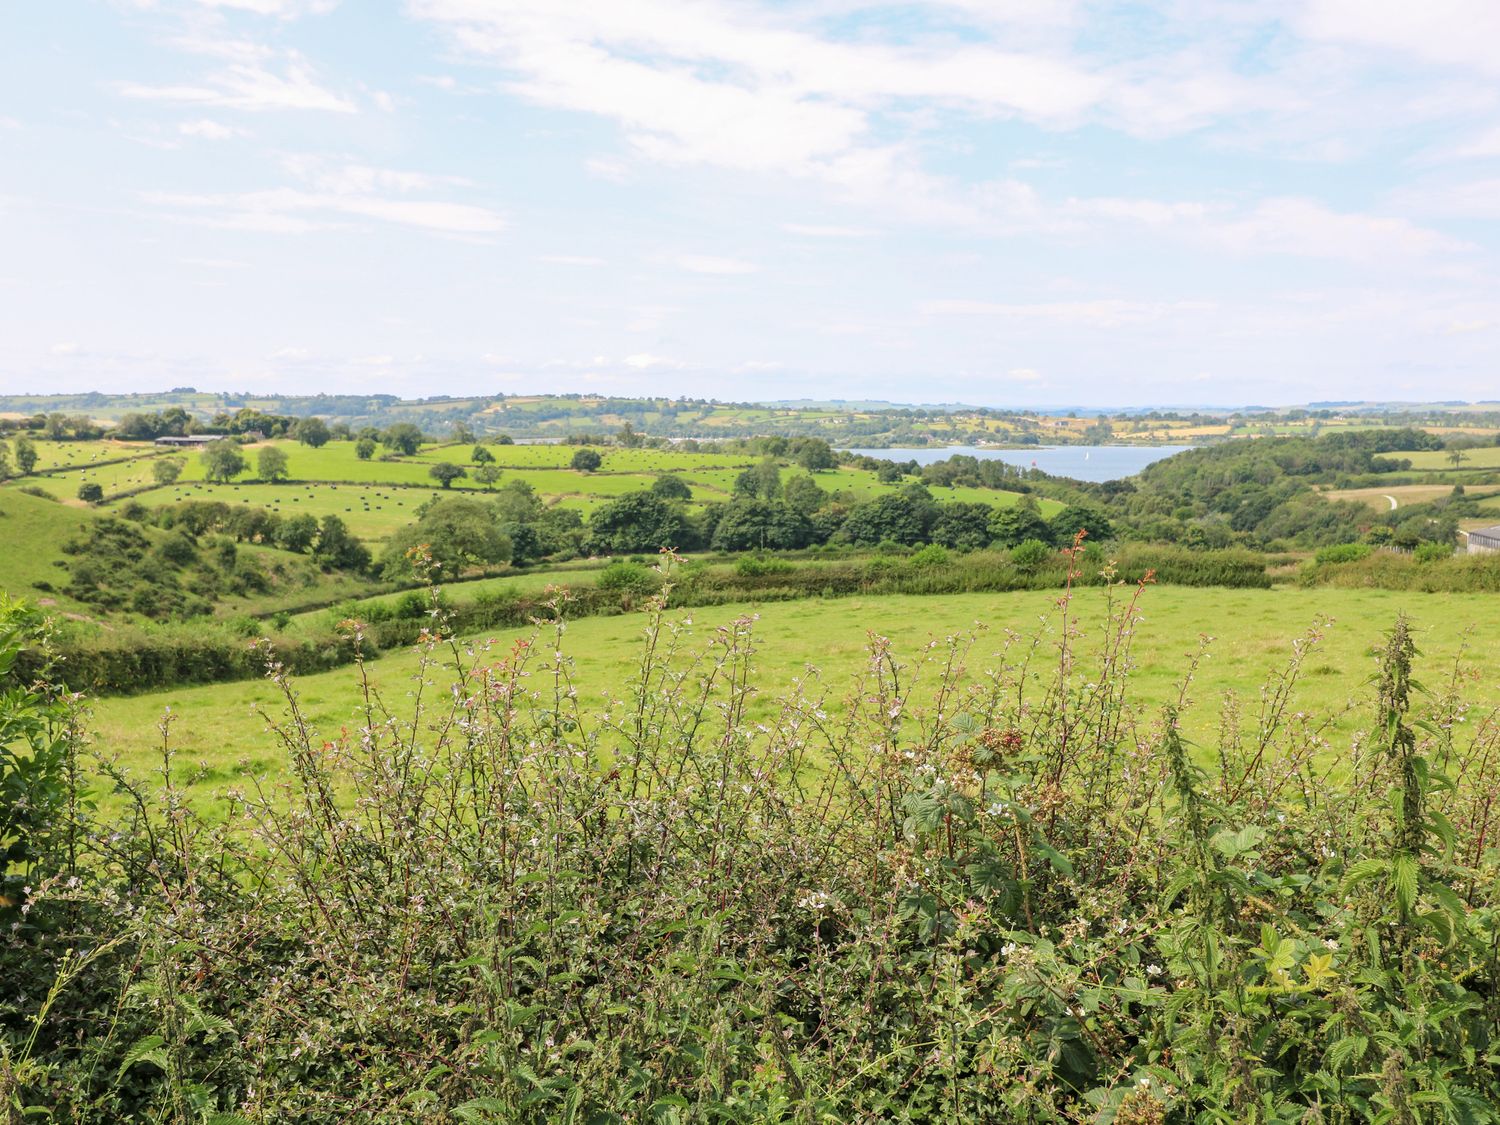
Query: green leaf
{"points": [[1404, 881], [145, 1049], [479, 1110], [1058, 861], [1363, 871], [1349, 1049]]}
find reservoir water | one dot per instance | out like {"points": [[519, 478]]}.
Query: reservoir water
{"points": [[1081, 462]]}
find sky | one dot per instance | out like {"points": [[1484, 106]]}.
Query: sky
{"points": [[1001, 202]]}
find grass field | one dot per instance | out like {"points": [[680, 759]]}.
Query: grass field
{"points": [[376, 497], [32, 531], [82, 454], [221, 739], [1379, 499], [120, 476], [371, 511], [1485, 457]]}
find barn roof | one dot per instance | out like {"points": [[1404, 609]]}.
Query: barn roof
{"points": [[1491, 532]]}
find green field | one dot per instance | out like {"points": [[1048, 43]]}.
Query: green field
{"points": [[82, 454], [32, 531], [114, 478], [376, 497], [221, 738], [1484, 457], [371, 511]]}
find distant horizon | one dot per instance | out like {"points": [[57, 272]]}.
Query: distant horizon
{"points": [[809, 402]]}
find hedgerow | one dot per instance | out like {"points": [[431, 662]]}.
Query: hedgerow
{"points": [[937, 893]]}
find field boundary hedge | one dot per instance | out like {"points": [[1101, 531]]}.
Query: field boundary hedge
{"points": [[131, 663]]}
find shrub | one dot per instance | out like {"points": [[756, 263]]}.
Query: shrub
{"points": [[1030, 555], [1432, 552], [624, 576], [930, 555], [756, 566], [1342, 553]]}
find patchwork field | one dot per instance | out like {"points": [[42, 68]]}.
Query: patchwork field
{"points": [[375, 497], [221, 739]]}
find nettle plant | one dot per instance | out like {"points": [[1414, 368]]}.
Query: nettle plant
{"points": [[950, 890]]}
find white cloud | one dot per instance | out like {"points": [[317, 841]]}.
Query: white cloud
{"points": [[337, 192], [726, 85], [287, 211], [1486, 144], [1309, 229], [1438, 32], [291, 355], [814, 230], [253, 79], [69, 348], [1464, 327], [612, 171], [1477, 199], [207, 130], [1107, 313], [644, 361], [282, 8], [571, 260], [708, 264], [1023, 375], [767, 89]]}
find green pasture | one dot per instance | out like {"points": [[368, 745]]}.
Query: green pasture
{"points": [[405, 480], [615, 460], [121, 476], [32, 532], [372, 512], [221, 740], [83, 454], [336, 461], [1483, 457]]}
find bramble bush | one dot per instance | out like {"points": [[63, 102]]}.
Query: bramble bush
{"points": [[951, 890]]}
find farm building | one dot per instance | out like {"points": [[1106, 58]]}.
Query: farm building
{"points": [[1484, 540], [192, 441]]}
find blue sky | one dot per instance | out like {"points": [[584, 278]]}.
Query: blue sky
{"points": [[1010, 202]]}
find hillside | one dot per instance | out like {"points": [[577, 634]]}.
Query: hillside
{"points": [[32, 532]]}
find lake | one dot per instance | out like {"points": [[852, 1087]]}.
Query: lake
{"points": [[1081, 462]]}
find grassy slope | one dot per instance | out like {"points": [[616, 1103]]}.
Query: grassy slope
{"points": [[376, 497], [1256, 629], [32, 531]]}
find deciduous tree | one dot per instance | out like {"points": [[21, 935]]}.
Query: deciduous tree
{"points": [[222, 461], [271, 464], [445, 473]]}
